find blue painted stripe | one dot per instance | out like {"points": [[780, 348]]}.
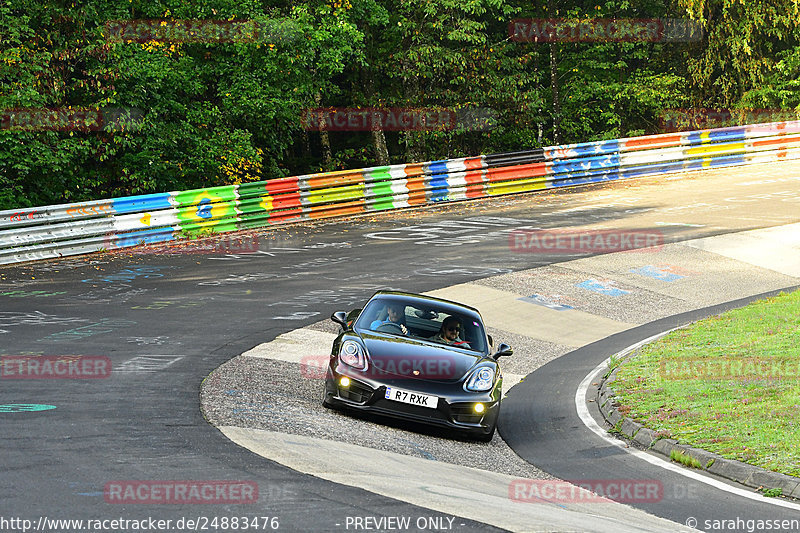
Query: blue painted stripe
{"points": [[143, 202], [736, 159], [545, 301], [694, 164], [602, 287], [712, 136], [438, 188], [586, 163], [644, 170], [438, 167], [568, 181], [583, 149], [146, 236], [723, 161], [581, 173], [659, 273]]}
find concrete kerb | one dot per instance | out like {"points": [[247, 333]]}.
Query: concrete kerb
{"points": [[743, 473]]}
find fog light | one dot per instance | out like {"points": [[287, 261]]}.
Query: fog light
{"points": [[344, 382], [479, 408]]}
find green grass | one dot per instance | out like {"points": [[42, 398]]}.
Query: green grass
{"points": [[613, 362], [751, 414], [682, 458]]}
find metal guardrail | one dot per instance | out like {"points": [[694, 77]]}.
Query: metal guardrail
{"points": [[70, 229]]}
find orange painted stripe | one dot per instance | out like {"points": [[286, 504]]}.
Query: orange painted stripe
{"points": [[475, 188], [286, 201], [780, 141], [282, 185], [652, 141], [350, 208], [473, 163], [285, 216], [413, 170], [416, 190], [334, 179], [516, 172]]}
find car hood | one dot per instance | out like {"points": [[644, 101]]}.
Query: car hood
{"points": [[406, 358]]}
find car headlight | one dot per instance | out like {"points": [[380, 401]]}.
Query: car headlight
{"points": [[481, 380], [352, 354]]}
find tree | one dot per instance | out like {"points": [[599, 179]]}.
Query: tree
{"points": [[749, 50]]}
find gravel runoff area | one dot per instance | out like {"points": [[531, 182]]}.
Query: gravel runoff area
{"points": [[273, 395]]}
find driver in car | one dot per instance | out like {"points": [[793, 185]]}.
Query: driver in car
{"points": [[395, 315]]}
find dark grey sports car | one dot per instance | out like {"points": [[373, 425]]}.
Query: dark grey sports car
{"points": [[417, 358]]}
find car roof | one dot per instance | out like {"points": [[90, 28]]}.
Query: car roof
{"points": [[421, 300]]}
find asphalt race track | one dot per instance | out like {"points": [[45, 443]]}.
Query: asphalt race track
{"points": [[165, 321]]}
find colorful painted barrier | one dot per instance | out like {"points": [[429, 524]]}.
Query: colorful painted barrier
{"points": [[69, 229]]}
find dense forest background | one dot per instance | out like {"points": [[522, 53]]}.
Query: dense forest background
{"points": [[198, 113]]}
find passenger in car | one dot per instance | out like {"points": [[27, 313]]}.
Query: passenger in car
{"points": [[449, 333]]}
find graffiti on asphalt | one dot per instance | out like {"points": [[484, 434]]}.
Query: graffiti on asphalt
{"points": [[606, 287], [35, 318], [470, 230], [344, 296], [68, 265], [128, 275], [161, 304], [29, 294], [148, 363], [150, 341], [297, 315], [118, 293], [106, 325]]}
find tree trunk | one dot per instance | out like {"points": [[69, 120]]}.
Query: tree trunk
{"points": [[413, 140], [378, 137], [327, 155], [381, 151], [554, 48]]}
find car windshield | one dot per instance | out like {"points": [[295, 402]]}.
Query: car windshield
{"points": [[429, 322]]}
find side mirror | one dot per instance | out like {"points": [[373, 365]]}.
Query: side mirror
{"points": [[504, 350], [340, 317], [491, 341]]}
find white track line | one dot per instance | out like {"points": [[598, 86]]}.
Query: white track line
{"points": [[589, 422]]}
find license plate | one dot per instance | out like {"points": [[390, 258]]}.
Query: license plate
{"points": [[413, 398]]}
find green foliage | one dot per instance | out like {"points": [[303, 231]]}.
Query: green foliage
{"points": [[685, 460], [747, 46], [215, 112]]}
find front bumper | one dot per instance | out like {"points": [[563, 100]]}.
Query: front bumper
{"points": [[455, 409]]}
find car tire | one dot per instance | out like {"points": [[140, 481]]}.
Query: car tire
{"points": [[325, 403]]}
